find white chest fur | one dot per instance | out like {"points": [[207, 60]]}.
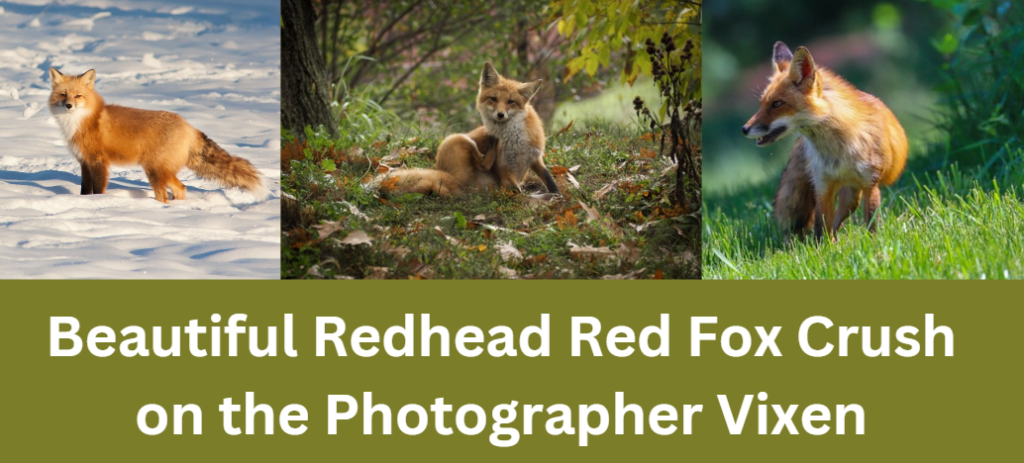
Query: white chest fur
{"points": [[839, 161], [517, 153], [69, 123]]}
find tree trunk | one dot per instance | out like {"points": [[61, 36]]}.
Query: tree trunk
{"points": [[304, 90]]}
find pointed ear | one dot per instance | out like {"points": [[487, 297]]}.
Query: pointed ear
{"points": [[56, 77], [88, 78], [781, 56], [528, 90], [802, 69], [490, 76]]}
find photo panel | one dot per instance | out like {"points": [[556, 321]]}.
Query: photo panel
{"points": [[140, 140], [864, 140], [522, 140]]}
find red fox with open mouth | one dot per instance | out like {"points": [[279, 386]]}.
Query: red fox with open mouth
{"points": [[849, 145], [100, 135]]}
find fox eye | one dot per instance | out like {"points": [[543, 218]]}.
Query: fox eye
{"points": [[513, 103], [78, 96], [777, 103], [63, 94], [493, 99]]}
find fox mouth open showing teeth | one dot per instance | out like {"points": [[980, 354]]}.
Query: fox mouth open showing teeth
{"points": [[770, 137]]}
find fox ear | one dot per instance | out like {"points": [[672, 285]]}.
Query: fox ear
{"points": [[88, 78], [490, 76], [781, 56], [528, 90], [56, 77], [802, 69]]}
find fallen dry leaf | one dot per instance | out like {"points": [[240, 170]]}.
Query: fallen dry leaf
{"points": [[535, 259], [629, 252], [398, 251], [670, 170], [508, 273], [567, 221], [605, 190], [572, 180], [356, 238], [389, 183], [451, 240], [327, 228], [592, 213], [508, 252], [580, 252], [626, 251], [352, 209], [634, 275], [563, 175], [540, 199], [424, 272], [640, 228], [542, 275], [376, 273], [564, 129]]}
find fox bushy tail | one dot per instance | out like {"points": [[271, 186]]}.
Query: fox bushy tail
{"points": [[210, 161], [424, 181]]}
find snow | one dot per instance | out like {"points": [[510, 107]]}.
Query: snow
{"points": [[215, 63]]}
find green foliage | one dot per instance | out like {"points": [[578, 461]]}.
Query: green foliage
{"points": [[424, 58], [984, 86], [599, 28]]}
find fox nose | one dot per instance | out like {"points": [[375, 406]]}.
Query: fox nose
{"points": [[746, 130], [68, 105], [501, 115]]}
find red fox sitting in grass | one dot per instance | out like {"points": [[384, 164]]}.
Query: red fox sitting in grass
{"points": [[100, 135], [512, 138], [850, 144]]}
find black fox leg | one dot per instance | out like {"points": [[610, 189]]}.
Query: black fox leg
{"points": [[86, 180], [98, 173], [542, 171]]}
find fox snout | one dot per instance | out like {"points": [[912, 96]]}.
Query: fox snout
{"points": [[765, 134], [65, 105], [753, 128], [500, 115]]}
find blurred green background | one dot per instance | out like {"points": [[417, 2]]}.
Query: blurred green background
{"points": [[883, 48]]}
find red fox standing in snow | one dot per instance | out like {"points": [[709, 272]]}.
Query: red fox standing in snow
{"points": [[100, 135], [512, 138], [850, 144]]}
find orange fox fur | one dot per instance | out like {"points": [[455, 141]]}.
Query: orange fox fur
{"points": [[502, 152], [849, 145], [100, 135]]}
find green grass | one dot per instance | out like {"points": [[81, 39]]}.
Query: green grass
{"points": [[940, 225], [490, 234], [613, 106]]}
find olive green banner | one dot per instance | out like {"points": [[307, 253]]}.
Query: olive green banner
{"points": [[901, 405]]}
